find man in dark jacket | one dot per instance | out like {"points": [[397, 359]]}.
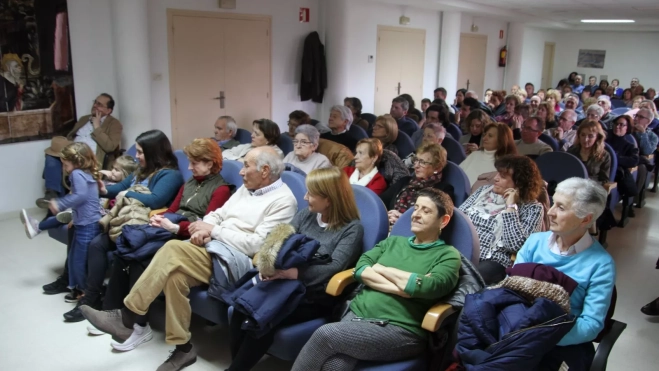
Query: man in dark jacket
{"points": [[399, 107], [225, 131]]}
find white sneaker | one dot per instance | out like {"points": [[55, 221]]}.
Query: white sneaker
{"points": [[94, 331], [65, 216], [31, 225], [139, 336]]}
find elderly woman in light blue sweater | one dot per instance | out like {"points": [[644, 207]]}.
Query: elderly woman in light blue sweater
{"points": [[569, 248]]}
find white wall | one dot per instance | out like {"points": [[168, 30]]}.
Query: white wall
{"points": [[533, 54], [515, 49], [355, 37], [628, 55], [490, 28], [93, 72], [287, 43]]}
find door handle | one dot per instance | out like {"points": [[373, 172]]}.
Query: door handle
{"points": [[221, 99]]}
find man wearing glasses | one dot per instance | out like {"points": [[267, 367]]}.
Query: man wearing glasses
{"points": [[565, 132], [100, 131], [646, 139], [530, 144]]}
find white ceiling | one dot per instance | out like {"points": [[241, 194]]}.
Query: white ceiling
{"points": [[557, 14]]}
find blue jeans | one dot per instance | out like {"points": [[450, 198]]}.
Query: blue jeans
{"points": [[52, 173], [77, 259], [49, 223]]}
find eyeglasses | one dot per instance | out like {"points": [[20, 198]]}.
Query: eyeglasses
{"points": [[637, 116], [301, 142], [620, 124], [421, 162], [98, 104], [528, 128]]}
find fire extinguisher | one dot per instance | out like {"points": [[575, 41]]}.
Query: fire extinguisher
{"points": [[503, 56]]}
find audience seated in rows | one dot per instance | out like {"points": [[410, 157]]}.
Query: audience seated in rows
{"points": [[365, 172], [234, 232], [399, 107], [508, 117], [225, 132], [304, 155], [497, 142], [505, 213], [432, 133], [437, 113], [468, 105], [355, 106], [577, 87], [553, 97], [474, 123], [589, 148], [605, 102], [412, 112], [386, 130], [546, 115], [340, 119], [534, 103], [565, 133], [627, 154], [402, 277], [459, 98], [530, 144], [265, 133]]}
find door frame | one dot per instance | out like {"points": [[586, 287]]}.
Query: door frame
{"points": [[549, 83], [171, 13], [377, 48], [474, 36]]}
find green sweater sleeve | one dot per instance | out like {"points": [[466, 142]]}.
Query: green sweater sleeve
{"points": [[440, 281], [368, 259]]}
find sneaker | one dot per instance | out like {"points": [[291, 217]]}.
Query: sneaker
{"points": [[179, 360], [75, 315], [31, 225], [108, 321], [64, 217], [59, 286], [73, 296], [139, 336], [94, 331]]}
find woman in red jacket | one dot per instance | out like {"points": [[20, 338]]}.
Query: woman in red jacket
{"points": [[365, 172]]}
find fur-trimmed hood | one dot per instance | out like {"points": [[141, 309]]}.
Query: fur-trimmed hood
{"points": [[532, 289], [267, 255]]}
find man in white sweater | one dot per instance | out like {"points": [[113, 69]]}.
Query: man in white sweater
{"points": [[233, 234], [530, 144]]}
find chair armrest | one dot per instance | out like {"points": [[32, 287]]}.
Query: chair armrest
{"points": [[633, 169], [610, 186], [513, 257], [156, 212], [339, 282], [436, 315], [605, 346]]}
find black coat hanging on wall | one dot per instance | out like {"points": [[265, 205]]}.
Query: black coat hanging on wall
{"points": [[314, 70]]}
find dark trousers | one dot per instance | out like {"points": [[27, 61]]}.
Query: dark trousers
{"points": [[123, 275], [65, 272], [491, 271], [97, 265], [577, 357], [52, 174], [247, 350]]}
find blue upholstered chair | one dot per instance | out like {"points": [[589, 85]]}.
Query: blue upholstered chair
{"points": [[549, 141], [357, 132], [285, 143], [289, 340], [454, 150], [404, 144], [454, 130], [297, 183], [370, 118], [558, 166], [231, 172], [243, 136], [619, 111], [132, 151], [456, 177], [183, 164]]}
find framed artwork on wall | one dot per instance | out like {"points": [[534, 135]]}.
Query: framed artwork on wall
{"points": [[36, 76], [589, 58]]}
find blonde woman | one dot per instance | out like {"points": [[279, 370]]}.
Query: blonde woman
{"points": [[553, 97], [589, 148], [386, 130]]}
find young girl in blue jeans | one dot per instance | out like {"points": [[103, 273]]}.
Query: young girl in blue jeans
{"points": [[79, 162]]}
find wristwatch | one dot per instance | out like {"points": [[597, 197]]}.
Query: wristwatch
{"points": [[513, 206]]}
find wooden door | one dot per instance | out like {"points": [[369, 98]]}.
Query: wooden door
{"points": [[472, 57], [399, 65], [547, 66], [220, 64]]}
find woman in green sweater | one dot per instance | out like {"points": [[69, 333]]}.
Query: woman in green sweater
{"points": [[403, 278]]}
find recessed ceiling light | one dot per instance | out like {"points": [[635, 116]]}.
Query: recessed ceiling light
{"points": [[607, 21]]}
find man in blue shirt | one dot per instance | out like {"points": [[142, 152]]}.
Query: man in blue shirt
{"points": [[577, 87], [570, 248]]}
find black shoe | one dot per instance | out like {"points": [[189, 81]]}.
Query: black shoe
{"points": [[652, 308], [43, 202], [73, 297], [57, 287], [75, 315]]}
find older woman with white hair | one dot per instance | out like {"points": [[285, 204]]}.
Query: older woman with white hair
{"points": [[593, 113], [339, 123], [570, 249], [304, 155]]}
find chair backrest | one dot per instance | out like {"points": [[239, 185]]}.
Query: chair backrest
{"points": [[456, 177], [618, 103], [558, 166], [549, 141], [454, 130], [314, 122], [183, 164], [132, 151], [630, 138], [298, 186], [370, 118], [614, 161], [459, 232], [285, 143], [620, 110], [404, 144], [243, 136], [357, 132], [231, 172], [373, 216], [454, 150], [338, 154]]}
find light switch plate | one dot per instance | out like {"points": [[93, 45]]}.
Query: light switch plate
{"points": [[228, 4], [370, 59]]}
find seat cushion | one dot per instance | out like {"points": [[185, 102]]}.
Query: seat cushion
{"points": [[289, 340], [207, 307]]}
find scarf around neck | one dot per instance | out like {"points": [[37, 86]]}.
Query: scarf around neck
{"points": [[407, 196]]}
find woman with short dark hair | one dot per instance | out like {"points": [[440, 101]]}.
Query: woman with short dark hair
{"points": [[264, 133], [355, 106]]}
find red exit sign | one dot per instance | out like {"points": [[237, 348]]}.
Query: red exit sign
{"points": [[304, 15]]}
